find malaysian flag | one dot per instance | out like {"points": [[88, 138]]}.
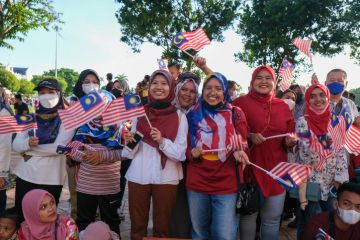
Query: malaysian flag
{"points": [[163, 64], [286, 73], [18, 123], [195, 40], [122, 109], [237, 142], [74, 149], [293, 173], [322, 235], [87, 108], [352, 140], [303, 45]]}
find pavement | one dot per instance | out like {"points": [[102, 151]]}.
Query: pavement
{"points": [[64, 207]]}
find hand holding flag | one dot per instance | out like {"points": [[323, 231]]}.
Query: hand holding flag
{"points": [[18, 123]]}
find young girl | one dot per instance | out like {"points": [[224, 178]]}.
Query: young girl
{"points": [[9, 224], [42, 220], [155, 170]]}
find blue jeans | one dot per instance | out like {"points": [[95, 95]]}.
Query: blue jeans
{"points": [[213, 216], [311, 209], [2, 201]]}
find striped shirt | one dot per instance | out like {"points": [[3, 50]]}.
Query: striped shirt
{"points": [[102, 179]]}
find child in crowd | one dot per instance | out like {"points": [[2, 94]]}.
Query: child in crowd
{"points": [[98, 230], [9, 224]]}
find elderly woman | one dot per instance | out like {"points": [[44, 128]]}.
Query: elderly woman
{"points": [[211, 175], [266, 116]]}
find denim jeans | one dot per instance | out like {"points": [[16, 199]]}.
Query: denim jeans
{"points": [[311, 209], [270, 214], [213, 216]]}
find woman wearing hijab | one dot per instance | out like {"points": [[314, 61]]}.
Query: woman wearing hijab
{"points": [[98, 180], [42, 167], [314, 129], [120, 88], [155, 169], [5, 152], [98, 230], [42, 222], [266, 116], [211, 176], [186, 95]]}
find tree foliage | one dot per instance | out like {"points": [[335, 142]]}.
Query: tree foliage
{"points": [[157, 21], [26, 87], [18, 17], [70, 76], [9, 80], [268, 27], [356, 91], [63, 84], [121, 77]]}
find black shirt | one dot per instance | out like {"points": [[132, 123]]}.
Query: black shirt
{"points": [[19, 109], [109, 86]]}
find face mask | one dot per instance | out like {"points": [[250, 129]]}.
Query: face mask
{"points": [[117, 93], [335, 88], [291, 103], [49, 100], [349, 216], [88, 87], [299, 98]]}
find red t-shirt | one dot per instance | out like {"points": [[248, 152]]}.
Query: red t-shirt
{"points": [[321, 220]]}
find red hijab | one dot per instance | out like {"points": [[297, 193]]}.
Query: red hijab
{"points": [[318, 123], [162, 115], [253, 93], [32, 228]]}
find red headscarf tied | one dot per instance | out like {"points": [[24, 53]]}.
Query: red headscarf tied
{"points": [[256, 95], [318, 123], [32, 228], [162, 115]]}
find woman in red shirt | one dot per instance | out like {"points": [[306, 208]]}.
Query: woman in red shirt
{"points": [[266, 116]]}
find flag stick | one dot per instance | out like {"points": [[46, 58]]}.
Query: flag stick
{"points": [[188, 53], [35, 120], [214, 150], [277, 79], [272, 175], [148, 121], [278, 136]]}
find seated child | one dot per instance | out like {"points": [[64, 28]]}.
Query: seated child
{"points": [[9, 224]]}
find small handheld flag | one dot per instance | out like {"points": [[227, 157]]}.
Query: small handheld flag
{"points": [[163, 64], [303, 45], [322, 235], [352, 140], [18, 123], [87, 108], [286, 73], [187, 40], [122, 109]]}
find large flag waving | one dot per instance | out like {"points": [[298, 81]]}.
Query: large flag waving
{"points": [[303, 45], [195, 40], [286, 73], [87, 108], [18, 123], [122, 109], [352, 140], [293, 173]]}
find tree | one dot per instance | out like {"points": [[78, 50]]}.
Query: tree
{"points": [[37, 78], [121, 77], [356, 91], [158, 21], [268, 27], [9, 80], [26, 87], [18, 17], [70, 76]]}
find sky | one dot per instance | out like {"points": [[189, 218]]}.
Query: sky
{"points": [[90, 38]]}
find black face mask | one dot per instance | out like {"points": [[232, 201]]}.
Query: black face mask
{"points": [[299, 98], [117, 93]]}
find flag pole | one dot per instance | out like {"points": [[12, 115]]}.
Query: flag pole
{"points": [[272, 175], [188, 53], [148, 121], [277, 136], [278, 75]]}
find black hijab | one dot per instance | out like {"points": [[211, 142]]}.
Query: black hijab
{"points": [[78, 86]]}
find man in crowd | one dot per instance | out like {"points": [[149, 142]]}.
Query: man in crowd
{"points": [[110, 83], [19, 106], [344, 222]]}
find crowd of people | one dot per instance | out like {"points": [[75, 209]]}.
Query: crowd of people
{"points": [[181, 159]]}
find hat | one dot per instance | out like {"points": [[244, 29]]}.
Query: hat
{"points": [[50, 83]]}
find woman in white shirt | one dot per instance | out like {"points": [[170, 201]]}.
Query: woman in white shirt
{"points": [[156, 169], [42, 167]]}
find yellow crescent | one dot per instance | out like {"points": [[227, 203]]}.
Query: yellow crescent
{"points": [[347, 117], [29, 118], [138, 99], [92, 98], [180, 37]]}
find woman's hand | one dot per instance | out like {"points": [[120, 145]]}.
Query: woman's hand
{"points": [[128, 136], [92, 157], [241, 157], [257, 138], [314, 79], [33, 141], [156, 135], [196, 152], [290, 141], [200, 62]]}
